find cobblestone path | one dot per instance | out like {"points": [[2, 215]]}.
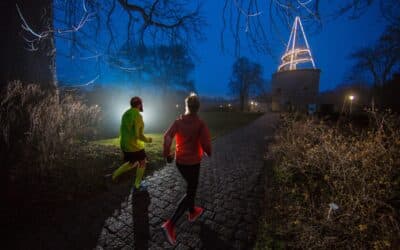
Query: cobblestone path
{"points": [[231, 189]]}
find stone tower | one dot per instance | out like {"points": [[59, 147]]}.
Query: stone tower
{"points": [[295, 85]]}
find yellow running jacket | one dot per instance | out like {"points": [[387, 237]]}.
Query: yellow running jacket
{"points": [[132, 138]]}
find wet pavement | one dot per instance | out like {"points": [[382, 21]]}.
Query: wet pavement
{"points": [[231, 189]]}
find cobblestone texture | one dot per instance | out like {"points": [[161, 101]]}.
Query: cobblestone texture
{"points": [[231, 189]]}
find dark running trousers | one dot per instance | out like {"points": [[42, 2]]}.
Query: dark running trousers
{"points": [[191, 175]]}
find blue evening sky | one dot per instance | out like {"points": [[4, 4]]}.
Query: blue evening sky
{"points": [[331, 47]]}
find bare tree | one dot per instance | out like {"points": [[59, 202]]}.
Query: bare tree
{"points": [[165, 67], [18, 60], [255, 22], [90, 26], [127, 25], [381, 59], [172, 18], [245, 76]]}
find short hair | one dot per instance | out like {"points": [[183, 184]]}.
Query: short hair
{"points": [[136, 101], [192, 103]]}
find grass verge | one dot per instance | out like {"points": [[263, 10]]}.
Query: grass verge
{"points": [[153, 150]]}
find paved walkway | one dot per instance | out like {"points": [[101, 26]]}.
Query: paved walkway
{"points": [[231, 189]]}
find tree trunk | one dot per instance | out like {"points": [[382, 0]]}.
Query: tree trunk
{"points": [[17, 63], [241, 100]]}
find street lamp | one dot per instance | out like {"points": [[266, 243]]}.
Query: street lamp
{"points": [[351, 98], [252, 105]]}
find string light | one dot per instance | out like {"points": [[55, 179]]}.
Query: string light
{"points": [[294, 55]]}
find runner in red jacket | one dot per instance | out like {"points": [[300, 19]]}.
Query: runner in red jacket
{"points": [[192, 140]]}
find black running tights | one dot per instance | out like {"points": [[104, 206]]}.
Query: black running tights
{"points": [[191, 175]]}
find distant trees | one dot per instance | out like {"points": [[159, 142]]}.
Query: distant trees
{"points": [[246, 75], [162, 66], [381, 59], [381, 63], [172, 67], [390, 93], [374, 77]]}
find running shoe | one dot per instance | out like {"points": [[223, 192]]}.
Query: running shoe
{"points": [[196, 214], [169, 231], [142, 188]]}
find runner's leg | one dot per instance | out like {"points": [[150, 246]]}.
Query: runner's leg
{"points": [[192, 181], [139, 173], [123, 168], [190, 174]]}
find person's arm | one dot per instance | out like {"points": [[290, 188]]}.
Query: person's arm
{"points": [[168, 138], [139, 128], [205, 139]]}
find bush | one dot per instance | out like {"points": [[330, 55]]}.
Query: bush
{"points": [[339, 187], [39, 127]]}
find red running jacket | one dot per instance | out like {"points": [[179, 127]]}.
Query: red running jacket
{"points": [[192, 139]]}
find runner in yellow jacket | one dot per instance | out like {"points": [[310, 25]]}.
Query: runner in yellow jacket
{"points": [[132, 142]]}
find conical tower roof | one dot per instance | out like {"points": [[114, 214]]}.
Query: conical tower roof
{"points": [[297, 50]]}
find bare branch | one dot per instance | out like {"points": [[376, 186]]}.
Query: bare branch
{"points": [[44, 34], [26, 27], [148, 17], [249, 12], [85, 84]]}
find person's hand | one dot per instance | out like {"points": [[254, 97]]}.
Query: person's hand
{"points": [[149, 139], [170, 158]]}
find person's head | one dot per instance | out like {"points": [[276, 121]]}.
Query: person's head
{"points": [[136, 102], [192, 104]]}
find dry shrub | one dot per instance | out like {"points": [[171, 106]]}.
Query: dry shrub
{"points": [[319, 165], [39, 128]]}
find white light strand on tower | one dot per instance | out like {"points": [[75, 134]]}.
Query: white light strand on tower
{"points": [[295, 55], [305, 39]]}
